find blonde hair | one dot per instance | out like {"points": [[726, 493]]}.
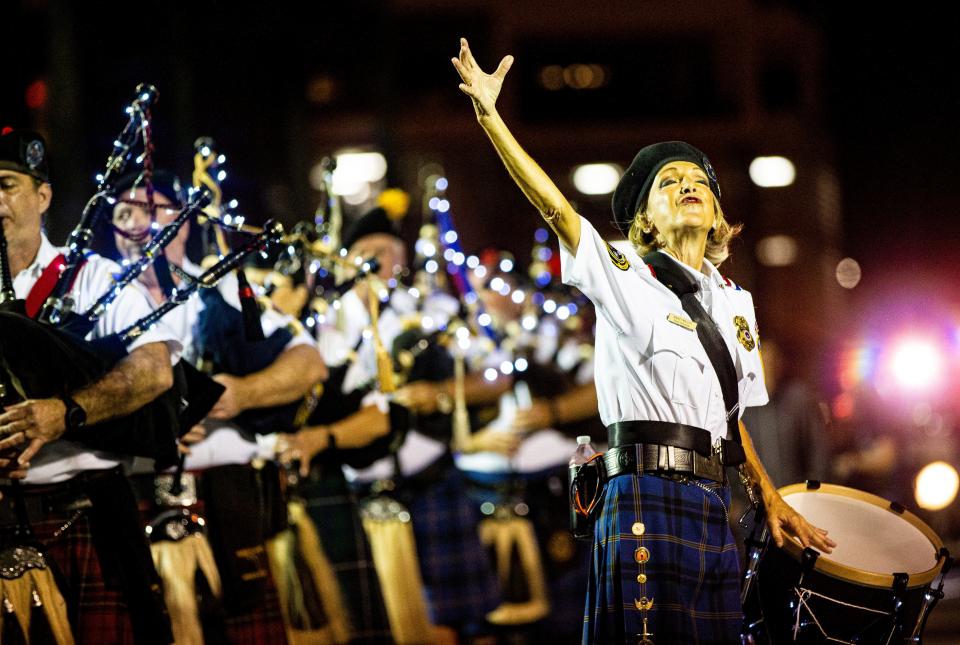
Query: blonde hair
{"points": [[645, 237]]}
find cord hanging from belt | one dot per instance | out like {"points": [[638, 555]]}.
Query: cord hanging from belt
{"points": [[579, 482]]}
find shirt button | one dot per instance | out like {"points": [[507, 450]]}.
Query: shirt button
{"points": [[638, 528]]}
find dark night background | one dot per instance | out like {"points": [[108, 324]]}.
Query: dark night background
{"points": [[891, 96], [885, 114], [280, 84]]}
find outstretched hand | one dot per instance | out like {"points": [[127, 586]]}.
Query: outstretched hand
{"points": [[782, 518], [481, 87]]}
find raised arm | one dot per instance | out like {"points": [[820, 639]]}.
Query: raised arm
{"points": [[483, 89]]}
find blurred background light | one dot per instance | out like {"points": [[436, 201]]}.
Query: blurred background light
{"points": [[777, 251], [354, 173], [596, 178], [916, 364], [772, 172], [848, 273], [936, 486]]}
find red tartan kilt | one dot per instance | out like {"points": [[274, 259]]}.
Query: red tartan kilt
{"points": [[99, 609]]}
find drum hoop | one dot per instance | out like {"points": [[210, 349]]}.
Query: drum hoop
{"points": [[852, 574]]}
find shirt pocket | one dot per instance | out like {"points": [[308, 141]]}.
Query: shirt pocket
{"points": [[677, 366]]}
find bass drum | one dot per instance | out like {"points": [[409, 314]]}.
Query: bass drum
{"points": [[869, 590]]}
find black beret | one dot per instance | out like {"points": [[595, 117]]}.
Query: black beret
{"points": [[634, 186], [373, 221], [164, 182], [24, 151]]}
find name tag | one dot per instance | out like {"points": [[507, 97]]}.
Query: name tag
{"points": [[682, 322]]}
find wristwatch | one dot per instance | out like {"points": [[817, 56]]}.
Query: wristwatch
{"points": [[75, 417]]}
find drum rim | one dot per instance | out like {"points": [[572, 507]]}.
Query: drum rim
{"points": [[852, 574]]}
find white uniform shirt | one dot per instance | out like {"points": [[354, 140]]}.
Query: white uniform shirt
{"points": [[647, 367], [224, 444], [61, 460], [341, 334]]}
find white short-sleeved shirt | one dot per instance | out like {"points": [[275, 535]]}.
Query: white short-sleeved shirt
{"points": [[344, 330], [648, 364], [224, 443], [346, 325], [61, 460]]}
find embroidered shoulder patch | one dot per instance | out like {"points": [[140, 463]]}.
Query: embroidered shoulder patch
{"points": [[619, 259]]}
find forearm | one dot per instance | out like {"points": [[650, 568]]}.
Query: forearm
{"points": [[135, 381], [533, 181], [287, 379], [360, 428], [577, 404], [477, 390], [755, 469]]}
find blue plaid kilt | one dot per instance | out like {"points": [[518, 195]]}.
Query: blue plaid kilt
{"points": [[335, 513], [459, 580], [692, 568]]}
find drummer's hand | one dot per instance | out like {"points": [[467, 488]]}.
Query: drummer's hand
{"points": [[9, 468], [302, 446], [420, 397], [33, 422], [781, 517], [505, 442], [483, 88], [230, 403], [536, 417], [196, 434]]}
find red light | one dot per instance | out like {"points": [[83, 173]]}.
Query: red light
{"points": [[36, 94], [844, 406], [6, 130]]}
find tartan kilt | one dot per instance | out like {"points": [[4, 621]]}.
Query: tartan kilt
{"points": [[263, 624], [459, 580], [334, 511], [692, 573], [98, 610]]}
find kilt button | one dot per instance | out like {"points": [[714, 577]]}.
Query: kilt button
{"points": [[642, 578], [641, 555], [638, 528]]}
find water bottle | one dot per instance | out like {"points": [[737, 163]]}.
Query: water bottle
{"points": [[580, 526]]}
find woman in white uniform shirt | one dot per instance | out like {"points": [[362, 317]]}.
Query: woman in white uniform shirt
{"points": [[665, 566]]}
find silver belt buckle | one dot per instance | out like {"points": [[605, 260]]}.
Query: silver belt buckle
{"points": [[708, 467], [163, 484]]}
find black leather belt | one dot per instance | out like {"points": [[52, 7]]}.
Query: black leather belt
{"points": [[625, 433], [657, 458], [62, 498], [678, 435]]}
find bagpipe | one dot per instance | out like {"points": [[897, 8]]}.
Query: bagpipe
{"points": [[50, 356]]}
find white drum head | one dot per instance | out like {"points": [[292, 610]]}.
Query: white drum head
{"points": [[870, 537]]}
